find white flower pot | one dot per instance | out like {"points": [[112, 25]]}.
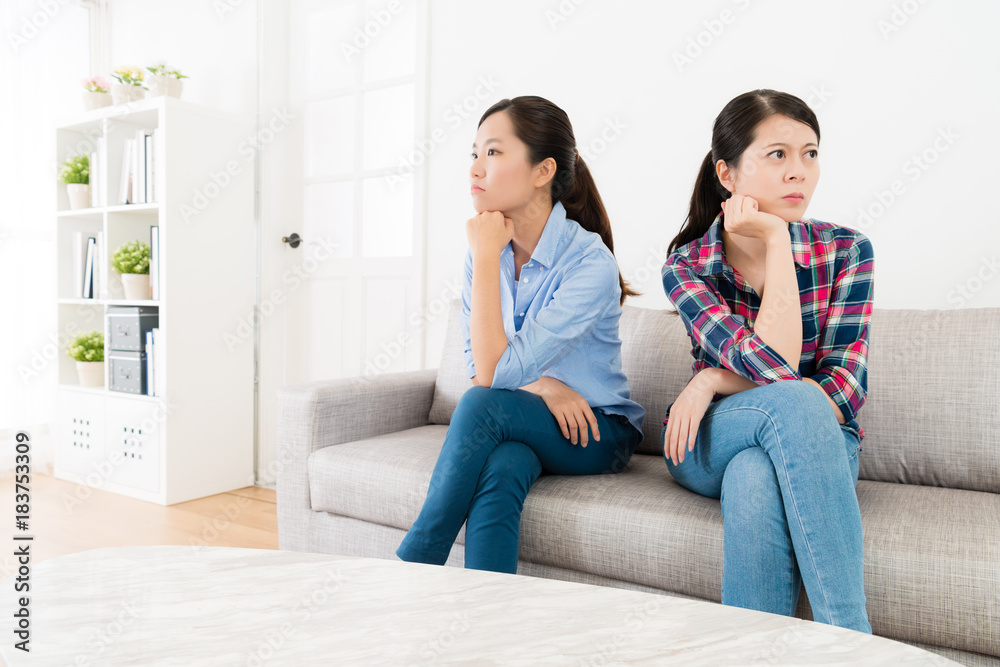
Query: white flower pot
{"points": [[92, 100], [91, 373], [79, 195], [160, 85], [136, 286], [122, 92]]}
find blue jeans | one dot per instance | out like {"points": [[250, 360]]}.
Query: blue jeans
{"points": [[786, 474], [497, 445]]}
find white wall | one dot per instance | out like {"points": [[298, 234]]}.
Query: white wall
{"points": [[881, 99], [213, 43]]}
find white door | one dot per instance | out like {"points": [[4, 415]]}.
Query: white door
{"points": [[343, 95]]}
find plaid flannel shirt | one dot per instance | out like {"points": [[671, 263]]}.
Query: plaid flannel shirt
{"points": [[834, 267]]}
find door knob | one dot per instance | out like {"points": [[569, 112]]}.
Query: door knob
{"points": [[294, 240]]}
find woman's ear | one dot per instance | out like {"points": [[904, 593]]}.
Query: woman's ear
{"points": [[545, 171], [726, 175]]}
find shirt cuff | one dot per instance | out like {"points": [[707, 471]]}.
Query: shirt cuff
{"points": [[833, 386], [763, 364]]}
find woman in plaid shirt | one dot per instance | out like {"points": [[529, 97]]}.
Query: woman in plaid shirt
{"points": [[778, 310]]}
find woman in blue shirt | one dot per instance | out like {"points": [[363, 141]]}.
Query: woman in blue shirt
{"points": [[541, 302]]}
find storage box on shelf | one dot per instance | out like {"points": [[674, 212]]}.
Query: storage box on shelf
{"points": [[194, 437]]}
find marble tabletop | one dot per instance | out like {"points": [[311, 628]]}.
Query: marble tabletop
{"points": [[175, 605]]}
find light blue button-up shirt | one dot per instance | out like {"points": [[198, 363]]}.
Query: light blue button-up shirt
{"points": [[561, 318]]}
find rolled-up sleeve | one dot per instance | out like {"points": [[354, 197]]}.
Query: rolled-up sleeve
{"points": [[714, 328], [578, 303], [470, 367], [842, 353]]}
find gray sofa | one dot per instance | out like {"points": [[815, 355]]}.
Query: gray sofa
{"points": [[355, 458]]}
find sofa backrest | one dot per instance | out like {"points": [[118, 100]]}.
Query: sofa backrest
{"points": [[932, 415]]}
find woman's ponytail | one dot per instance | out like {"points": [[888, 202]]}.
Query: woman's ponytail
{"points": [[706, 203], [583, 203]]}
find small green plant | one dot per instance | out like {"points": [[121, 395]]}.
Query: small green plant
{"points": [[131, 257], [87, 347], [76, 170], [160, 69], [130, 75]]}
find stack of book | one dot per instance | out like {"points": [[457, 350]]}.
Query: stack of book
{"points": [[96, 178], [138, 176], [87, 272]]}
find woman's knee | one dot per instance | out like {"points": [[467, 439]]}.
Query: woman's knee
{"points": [[801, 406], [511, 466], [481, 405], [750, 486]]}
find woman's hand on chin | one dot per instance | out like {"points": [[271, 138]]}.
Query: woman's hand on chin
{"points": [[489, 232], [743, 217]]}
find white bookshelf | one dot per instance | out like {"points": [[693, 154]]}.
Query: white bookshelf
{"points": [[195, 437]]}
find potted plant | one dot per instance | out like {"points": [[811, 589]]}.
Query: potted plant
{"points": [[96, 94], [88, 351], [132, 261], [164, 81], [75, 174], [129, 87]]}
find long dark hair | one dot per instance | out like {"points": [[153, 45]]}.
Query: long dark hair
{"points": [[546, 131], [735, 129]]}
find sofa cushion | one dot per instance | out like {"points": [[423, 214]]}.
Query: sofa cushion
{"points": [[931, 561], [933, 411], [930, 554], [452, 380]]}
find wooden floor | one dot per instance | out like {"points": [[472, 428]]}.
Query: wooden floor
{"points": [[62, 523]]}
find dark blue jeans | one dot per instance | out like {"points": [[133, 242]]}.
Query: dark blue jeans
{"points": [[497, 445]]}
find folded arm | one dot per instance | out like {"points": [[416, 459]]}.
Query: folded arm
{"points": [[713, 327]]}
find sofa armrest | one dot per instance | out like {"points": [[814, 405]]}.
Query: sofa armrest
{"points": [[314, 415]]}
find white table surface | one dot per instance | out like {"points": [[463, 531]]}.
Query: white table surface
{"points": [[175, 605]]}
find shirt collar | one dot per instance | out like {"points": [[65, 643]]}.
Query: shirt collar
{"points": [[547, 250], [710, 258]]}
